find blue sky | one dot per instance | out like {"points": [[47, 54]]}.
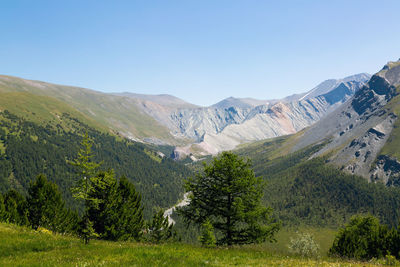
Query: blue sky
{"points": [[201, 51]]}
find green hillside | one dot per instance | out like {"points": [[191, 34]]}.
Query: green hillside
{"points": [[312, 192], [21, 246], [116, 112], [29, 148], [43, 110]]}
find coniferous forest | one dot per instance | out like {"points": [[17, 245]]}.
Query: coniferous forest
{"points": [[28, 149]]}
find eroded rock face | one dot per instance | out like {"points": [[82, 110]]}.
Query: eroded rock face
{"points": [[234, 121], [374, 95], [360, 128], [195, 123], [387, 169], [358, 156], [215, 129]]}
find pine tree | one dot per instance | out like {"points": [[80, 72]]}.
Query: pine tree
{"points": [[46, 207], [159, 230], [123, 213], [207, 237], [87, 170], [15, 208], [130, 210], [229, 194], [84, 189], [105, 190]]}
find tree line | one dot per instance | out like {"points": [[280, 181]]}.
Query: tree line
{"points": [[27, 149], [225, 205], [113, 208], [224, 202]]}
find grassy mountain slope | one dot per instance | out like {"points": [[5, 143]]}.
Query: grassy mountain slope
{"points": [[43, 110], [24, 247], [116, 112]]}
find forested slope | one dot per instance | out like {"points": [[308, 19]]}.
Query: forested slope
{"points": [[28, 148], [312, 192]]}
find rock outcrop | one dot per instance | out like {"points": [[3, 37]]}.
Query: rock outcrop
{"points": [[215, 129], [359, 129]]}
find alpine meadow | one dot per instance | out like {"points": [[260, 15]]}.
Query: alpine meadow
{"points": [[199, 133]]}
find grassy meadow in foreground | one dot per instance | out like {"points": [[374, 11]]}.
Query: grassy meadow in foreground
{"points": [[24, 247]]}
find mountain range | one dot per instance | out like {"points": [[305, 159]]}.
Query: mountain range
{"points": [[360, 136], [165, 119], [357, 114], [325, 143]]}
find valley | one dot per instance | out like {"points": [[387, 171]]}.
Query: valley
{"points": [[199, 133], [333, 144], [165, 119]]}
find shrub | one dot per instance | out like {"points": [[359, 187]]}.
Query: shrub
{"points": [[362, 238], [159, 230], [304, 245], [207, 237], [391, 260]]}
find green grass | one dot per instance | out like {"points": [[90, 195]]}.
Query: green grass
{"points": [[323, 236], [43, 110], [274, 147], [153, 155], [24, 247]]}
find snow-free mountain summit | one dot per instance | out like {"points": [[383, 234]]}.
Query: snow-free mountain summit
{"points": [[165, 119]]}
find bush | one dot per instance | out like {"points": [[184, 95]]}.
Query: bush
{"points": [[391, 260], [304, 245], [363, 238], [159, 230], [207, 237]]}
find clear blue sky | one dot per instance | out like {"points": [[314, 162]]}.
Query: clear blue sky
{"points": [[201, 51]]}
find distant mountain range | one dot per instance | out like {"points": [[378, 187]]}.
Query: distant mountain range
{"points": [[165, 119], [301, 144], [234, 121]]}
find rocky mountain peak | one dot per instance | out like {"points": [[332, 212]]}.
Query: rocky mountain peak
{"points": [[359, 129], [234, 121]]}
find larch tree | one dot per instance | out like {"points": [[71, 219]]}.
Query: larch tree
{"points": [[228, 194], [84, 189]]}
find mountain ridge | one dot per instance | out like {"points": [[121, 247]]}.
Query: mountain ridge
{"points": [[360, 130], [219, 129], [166, 119]]}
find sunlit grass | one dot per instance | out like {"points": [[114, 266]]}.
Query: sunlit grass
{"points": [[24, 247]]}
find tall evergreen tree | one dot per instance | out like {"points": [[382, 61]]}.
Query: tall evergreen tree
{"points": [[15, 208], [105, 191], [46, 207], [85, 186], [158, 229], [228, 194], [123, 214]]}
